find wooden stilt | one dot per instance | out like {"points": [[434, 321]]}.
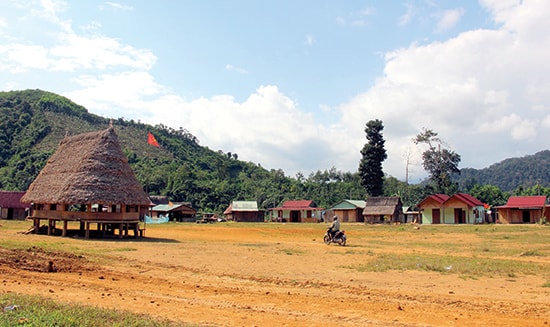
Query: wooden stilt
{"points": [[65, 224], [87, 232]]}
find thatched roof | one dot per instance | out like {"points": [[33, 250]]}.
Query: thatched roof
{"points": [[87, 168], [382, 205]]}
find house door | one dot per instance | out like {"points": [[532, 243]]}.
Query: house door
{"points": [[346, 215], [436, 216], [526, 216], [295, 216], [459, 216], [10, 213]]}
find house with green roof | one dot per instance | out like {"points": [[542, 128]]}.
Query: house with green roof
{"points": [[347, 211]]}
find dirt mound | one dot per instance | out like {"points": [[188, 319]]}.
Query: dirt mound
{"points": [[40, 260]]}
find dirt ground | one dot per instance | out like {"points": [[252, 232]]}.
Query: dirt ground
{"points": [[222, 275]]}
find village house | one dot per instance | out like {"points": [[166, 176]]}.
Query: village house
{"points": [[348, 210], [11, 206], [178, 212], [88, 180], [297, 211], [244, 211], [383, 209], [523, 210], [460, 208]]}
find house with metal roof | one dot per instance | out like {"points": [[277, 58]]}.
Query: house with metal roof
{"points": [[11, 206], [297, 211], [348, 210], [431, 208], [244, 211], [460, 208], [180, 212], [523, 210]]}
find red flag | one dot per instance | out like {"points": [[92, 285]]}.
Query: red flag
{"points": [[151, 139]]}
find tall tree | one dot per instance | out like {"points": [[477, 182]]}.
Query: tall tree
{"points": [[374, 153], [439, 162]]}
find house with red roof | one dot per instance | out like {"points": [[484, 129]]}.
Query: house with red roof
{"points": [[11, 207], [297, 211], [523, 210], [460, 208], [431, 208]]}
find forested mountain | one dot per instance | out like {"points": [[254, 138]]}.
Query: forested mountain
{"points": [[512, 173], [32, 123]]}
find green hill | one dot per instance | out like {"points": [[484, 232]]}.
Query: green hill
{"points": [[33, 122], [511, 173]]}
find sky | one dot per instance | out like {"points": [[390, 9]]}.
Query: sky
{"points": [[292, 84]]}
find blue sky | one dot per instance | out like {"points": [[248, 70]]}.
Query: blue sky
{"points": [[291, 84]]}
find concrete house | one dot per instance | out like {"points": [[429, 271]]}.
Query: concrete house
{"points": [[460, 208]]}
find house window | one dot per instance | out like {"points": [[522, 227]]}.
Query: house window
{"points": [[53, 207]]}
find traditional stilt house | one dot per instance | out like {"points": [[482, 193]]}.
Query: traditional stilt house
{"points": [[88, 180]]}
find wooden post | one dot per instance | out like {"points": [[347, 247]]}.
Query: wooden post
{"points": [[65, 223], [36, 223], [87, 232]]}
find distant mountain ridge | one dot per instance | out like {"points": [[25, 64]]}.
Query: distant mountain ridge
{"points": [[511, 173]]}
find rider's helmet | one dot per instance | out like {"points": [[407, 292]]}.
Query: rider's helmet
{"points": [[335, 217]]}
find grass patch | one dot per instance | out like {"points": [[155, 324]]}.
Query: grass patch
{"points": [[23, 310], [292, 251], [531, 253], [470, 266]]}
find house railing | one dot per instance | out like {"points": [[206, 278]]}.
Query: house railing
{"points": [[84, 216]]}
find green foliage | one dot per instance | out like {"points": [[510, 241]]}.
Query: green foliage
{"points": [[373, 154], [439, 162], [511, 173], [23, 310], [489, 194]]}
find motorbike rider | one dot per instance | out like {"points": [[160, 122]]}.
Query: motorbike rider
{"points": [[334, 227]]}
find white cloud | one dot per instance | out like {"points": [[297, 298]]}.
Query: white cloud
{"points": [[116, 6], [310, 40], [448, 19], [232, 68], [407, 17], [484, 89]]}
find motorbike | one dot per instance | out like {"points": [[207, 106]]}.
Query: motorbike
{"points": [[339, 238]]}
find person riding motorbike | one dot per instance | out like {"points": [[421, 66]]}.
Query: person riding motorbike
{"points": [[334, 227]]}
